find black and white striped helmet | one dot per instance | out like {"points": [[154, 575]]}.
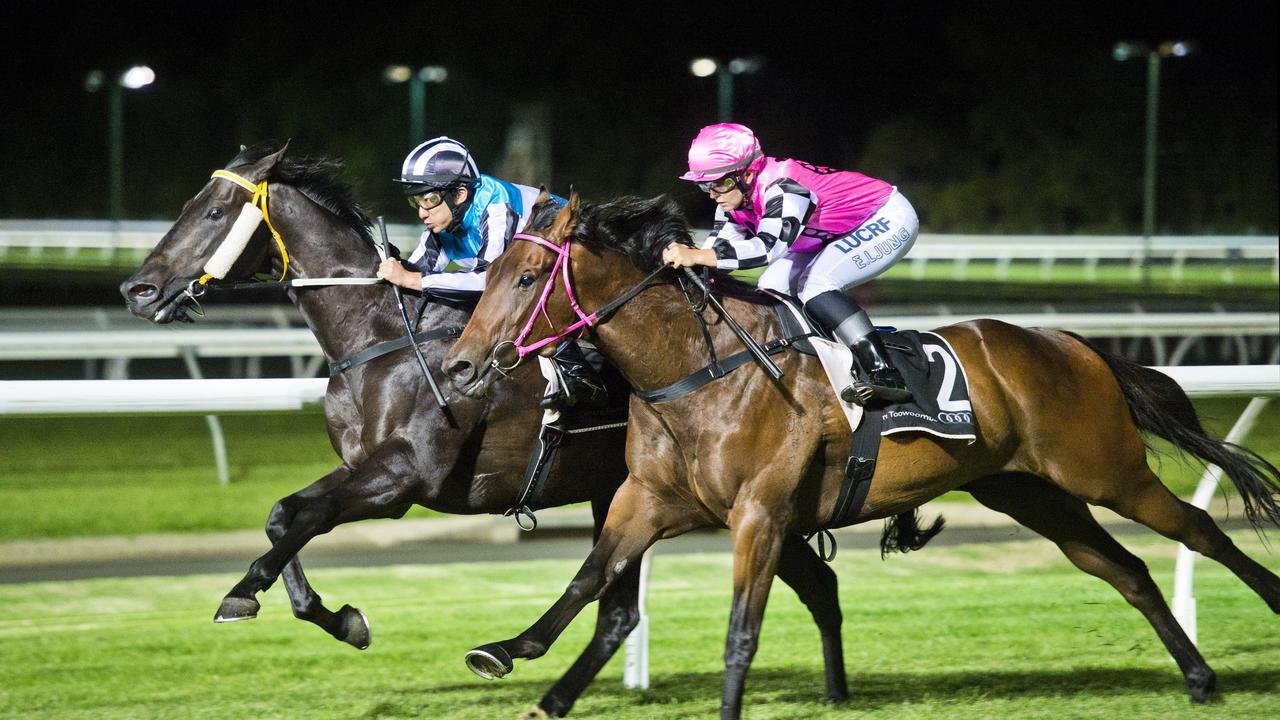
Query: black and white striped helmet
{"points": [[436, 164]]}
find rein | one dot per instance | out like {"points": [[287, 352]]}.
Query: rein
{"points": [[714, 370]]}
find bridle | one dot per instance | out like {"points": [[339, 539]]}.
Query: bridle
{"points": [[252, 214], [256, 212], [585, 320], [231, 247]]}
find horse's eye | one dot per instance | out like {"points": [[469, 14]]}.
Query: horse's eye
{"points": [[526, 280], [215, 213]]}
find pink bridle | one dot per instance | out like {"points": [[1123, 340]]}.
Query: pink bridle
{"points": [[584, 320]]}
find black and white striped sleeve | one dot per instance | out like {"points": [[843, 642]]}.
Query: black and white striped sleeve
{"points": [[427, 257], [787, 207]]}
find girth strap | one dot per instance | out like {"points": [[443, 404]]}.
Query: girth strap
{"points": [[859, 469], [713, 371], [858, 472], [390, 346]]}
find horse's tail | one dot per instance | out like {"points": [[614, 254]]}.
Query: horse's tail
{"points": [[1160, 407], [902, 533]]}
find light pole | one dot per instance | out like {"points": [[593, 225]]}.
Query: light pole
{"points": [[138, 76], [417, 80], [1125, 51], [724, 72]]}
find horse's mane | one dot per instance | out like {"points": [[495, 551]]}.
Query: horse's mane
{"points": [[639, 228], [315, 177], [543, 214]]}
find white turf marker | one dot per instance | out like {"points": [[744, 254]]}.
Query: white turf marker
{"points": [[1184, 603], [635, 673]]}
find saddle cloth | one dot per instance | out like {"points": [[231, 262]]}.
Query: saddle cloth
{"points": [[940, 405]]}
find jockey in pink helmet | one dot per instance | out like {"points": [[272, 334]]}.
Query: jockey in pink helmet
{"points": [[819, 230]]}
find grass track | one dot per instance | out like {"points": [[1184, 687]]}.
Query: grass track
{"points": [[968, 632]]}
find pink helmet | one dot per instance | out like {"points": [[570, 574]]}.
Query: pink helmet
{"points": [[721, 149]]}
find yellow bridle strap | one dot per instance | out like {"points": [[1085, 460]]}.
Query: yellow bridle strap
{"points": [[259, 199]]}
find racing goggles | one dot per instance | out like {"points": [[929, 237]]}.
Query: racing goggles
{"points": [[427, 200], [720, 186]]}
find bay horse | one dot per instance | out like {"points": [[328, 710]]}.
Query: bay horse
{"points": [[1059, 428], [397, 447]]}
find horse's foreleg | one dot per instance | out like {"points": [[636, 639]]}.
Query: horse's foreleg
{"points": [[301, 596], [1066, 520], [815, 584], [378, 488], [757, 545], [348, 624], [617, 617], [636, 519]]}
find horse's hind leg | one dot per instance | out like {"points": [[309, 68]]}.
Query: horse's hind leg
{"points": [[815, 583], [1149, 502], [1066, 520]]}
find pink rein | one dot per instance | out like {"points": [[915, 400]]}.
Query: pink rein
{"points": [[561, 264]]}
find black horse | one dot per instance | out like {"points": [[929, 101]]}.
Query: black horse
{"points": [[397, 447]]}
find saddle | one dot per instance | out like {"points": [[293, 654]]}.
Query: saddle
{"points": [[929, 366]]}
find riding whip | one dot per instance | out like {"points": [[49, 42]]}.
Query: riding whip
{"points": [[422, 362]]}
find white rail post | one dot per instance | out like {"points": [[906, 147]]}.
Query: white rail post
{"points": [[215, 425], [635, 673], [1184, 603]]}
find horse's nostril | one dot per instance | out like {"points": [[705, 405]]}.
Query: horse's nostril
{"points": [[461, 371], [143, 291]]}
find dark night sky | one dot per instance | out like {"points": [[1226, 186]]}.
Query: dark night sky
{"points": [[623, 103]]}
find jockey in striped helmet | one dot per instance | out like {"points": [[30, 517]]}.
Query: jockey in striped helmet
{"points": [[820, 231], [469, 219]]}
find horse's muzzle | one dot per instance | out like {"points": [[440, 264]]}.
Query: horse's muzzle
{"points": [[148, 302], [464, 376]]}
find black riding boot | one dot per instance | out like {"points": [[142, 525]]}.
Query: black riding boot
{"points": [[578, 367], [881, 383], [878, 383]]}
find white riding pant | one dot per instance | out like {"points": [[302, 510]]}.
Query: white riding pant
{"points": [[864, 253]]}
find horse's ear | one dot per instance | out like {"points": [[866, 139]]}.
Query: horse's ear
{"points": [[261, 170], [565, 220]]}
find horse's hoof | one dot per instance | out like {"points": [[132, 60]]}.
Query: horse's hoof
{"points": [[533, 713], [353, 627], [489, 661], [234, 609], [1201, 686]]}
